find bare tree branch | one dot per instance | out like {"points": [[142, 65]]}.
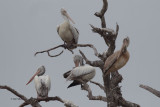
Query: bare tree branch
{"points": [[34, 101], [125, 103], [91, 46], [29, 101], [56, 98], [48, 50], [98, 63], [109, 35], [90, 96], [98, 84], [150, 89], [103, 31], [65, 47], [14, 92], [35, 104], [102, 12], [88, 45]]}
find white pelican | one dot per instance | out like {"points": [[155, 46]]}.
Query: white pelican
{"points": [[118, 59], [68, 33], [80, 74], [42, 83]]}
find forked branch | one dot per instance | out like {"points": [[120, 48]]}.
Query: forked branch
{"points": [[89, 45], [90, 96], [56, 98], [98, 84], [48, 50], [97, 63], [34, 101], [66, 47]]}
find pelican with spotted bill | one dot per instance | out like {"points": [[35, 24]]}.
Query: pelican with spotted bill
{"points": [[79, 74], [68, 33], [42, 82], [118, 59]]}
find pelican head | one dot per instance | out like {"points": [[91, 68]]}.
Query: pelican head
{"points": [[40, 71], [78, 60], [126, 41], [66, 16], [125, 44]]}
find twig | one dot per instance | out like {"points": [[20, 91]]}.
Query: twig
{"points": [[98, 84], [90, 96], [103, 31], [48, 50], [150, 89], [98, 63], [88, 45]]}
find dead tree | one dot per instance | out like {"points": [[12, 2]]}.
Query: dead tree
{"points": [[110, 85], [113, 96]]}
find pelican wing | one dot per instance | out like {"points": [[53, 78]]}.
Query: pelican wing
{"points": [[111, 60], [80, 71], [58, 29], [47, 81], [74, 83], [75, 33], [38, 84], [42, 85], [66, 74]]}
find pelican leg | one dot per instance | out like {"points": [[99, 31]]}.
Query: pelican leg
{"points": [[70, 45], [82, 82], [64, 43], [47, 93], [38, 97]]}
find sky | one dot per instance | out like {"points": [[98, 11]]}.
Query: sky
{"points": [[28, 26]]}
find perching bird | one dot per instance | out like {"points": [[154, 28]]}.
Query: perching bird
{"points": [[118, 59], [68, 33], [79, 74], [42, 83]]}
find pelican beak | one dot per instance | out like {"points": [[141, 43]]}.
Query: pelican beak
{"points": [[127, 41], [70, 18], [76, 63], [38, 71]]}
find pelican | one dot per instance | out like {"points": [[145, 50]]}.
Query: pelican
{"points": [[68, 33], [42, 83], [79, 74], [118, 59]]}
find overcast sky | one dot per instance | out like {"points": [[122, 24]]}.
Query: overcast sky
{"points": [[27, 26]]}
